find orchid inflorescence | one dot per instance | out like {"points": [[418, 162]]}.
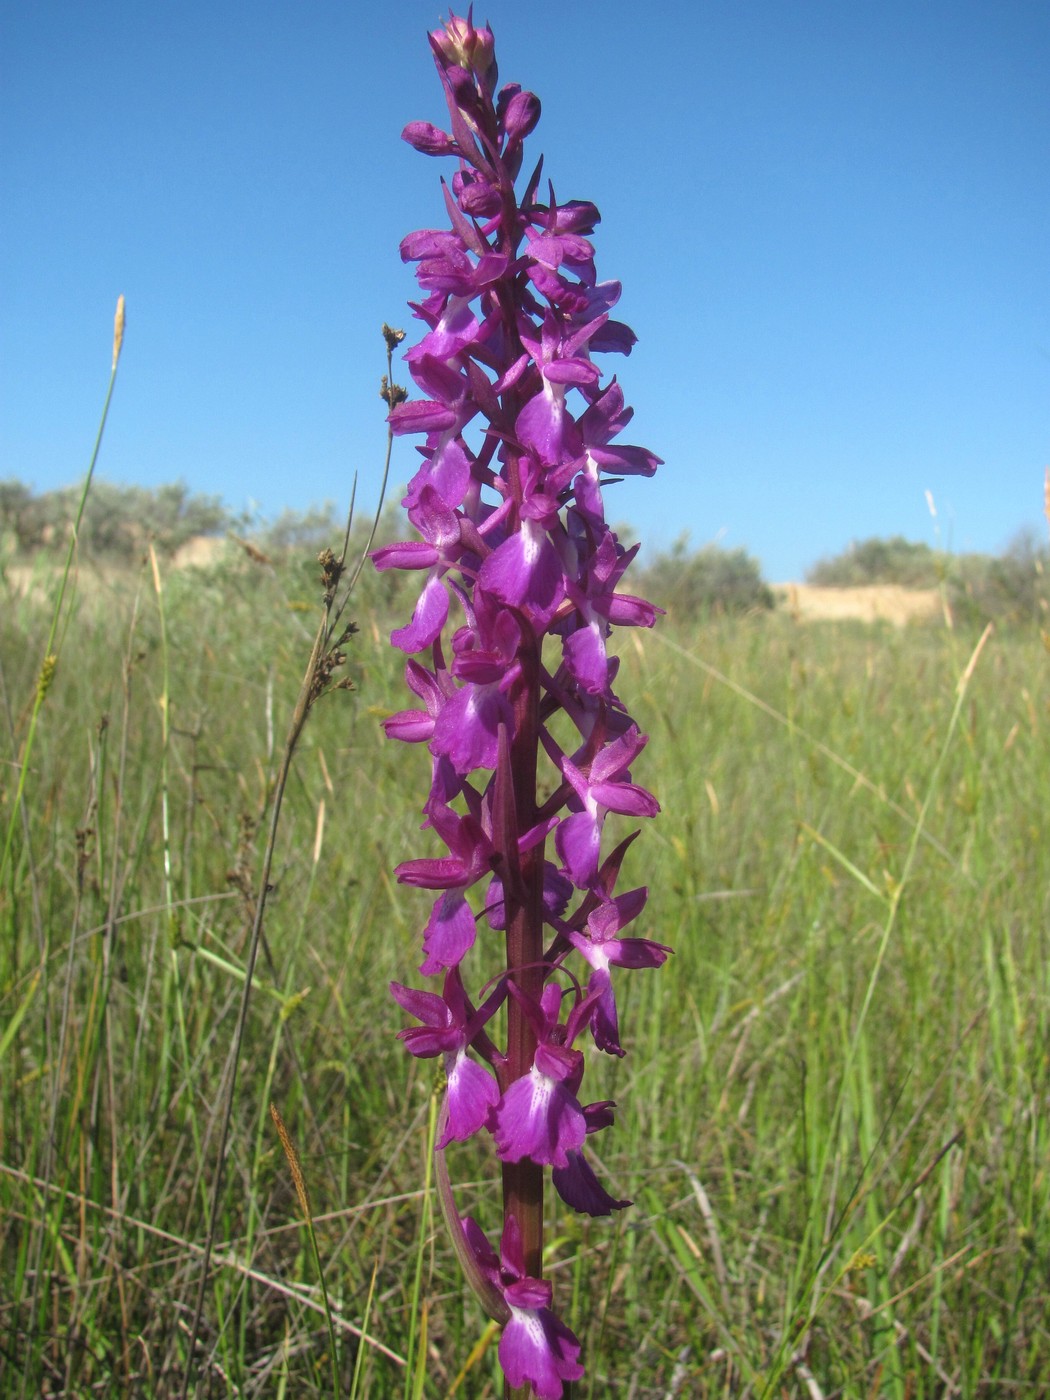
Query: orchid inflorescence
{"points": [[513, 533]]}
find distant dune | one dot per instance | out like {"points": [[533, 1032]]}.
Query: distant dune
{"points": [[880, 602]]}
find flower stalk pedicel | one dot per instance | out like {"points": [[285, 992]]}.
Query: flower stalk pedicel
{"points": [[513, 538]]}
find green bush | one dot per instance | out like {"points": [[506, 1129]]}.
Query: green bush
{"points": [[1012, 588], [303, 531], [118, 520], [708, 580], [895, 560]]}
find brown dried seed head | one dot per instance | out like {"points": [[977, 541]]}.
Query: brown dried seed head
{"points": [[298, 1180], [392, 394]]}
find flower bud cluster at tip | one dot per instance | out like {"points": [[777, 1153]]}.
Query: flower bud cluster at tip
{"points": [[519, 434]]}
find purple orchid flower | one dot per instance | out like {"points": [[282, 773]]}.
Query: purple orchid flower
{"points": [[449, 1024], [451, 929], [536, 1348], [606, 787], [539, 1116], [518, 429], [601, 946]]}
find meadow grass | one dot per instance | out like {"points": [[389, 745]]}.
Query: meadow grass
{"points": [[833, 1111]]}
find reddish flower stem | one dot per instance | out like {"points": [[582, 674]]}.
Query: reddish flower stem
{"points": [[523, 1181]]}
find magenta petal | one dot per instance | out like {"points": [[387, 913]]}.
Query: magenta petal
{"points": [[430, 615], [449, 934], [435, 520], [521, 115], [441, 382], [625, 909], [467, 728], [540, 1119], [578, 841], [626, 798], [619, 755], [571, 371], [472, 1094], [420, 416], [438, 1035], [525, 571], [626, 461], [574, 216], [445, 873], [605, 1023], [579, 1188], [495, 909], [427, 1007], [543, 422], [512, 1257], [410, 726], [628, 611], [428, 242], [447, 471], [457, 328], [426, 1043], [539, 1350], [585, 657], [484, 1255], [405, 554], [635, 953], [528, 1294]]}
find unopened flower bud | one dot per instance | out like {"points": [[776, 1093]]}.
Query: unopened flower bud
{"points": [[474, 49], [521, 115], [428, 139], [475, 194]]}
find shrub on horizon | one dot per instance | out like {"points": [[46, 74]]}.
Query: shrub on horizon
{"points": [[118, 520], [896, 560], [709, 580], [1012, 588]]}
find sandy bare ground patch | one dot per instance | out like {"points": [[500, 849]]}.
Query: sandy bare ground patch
{"points": [[38, 577], [880, 602], [201, 552]]}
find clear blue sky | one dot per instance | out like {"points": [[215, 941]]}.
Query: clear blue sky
{"points": [[831, 220]]}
